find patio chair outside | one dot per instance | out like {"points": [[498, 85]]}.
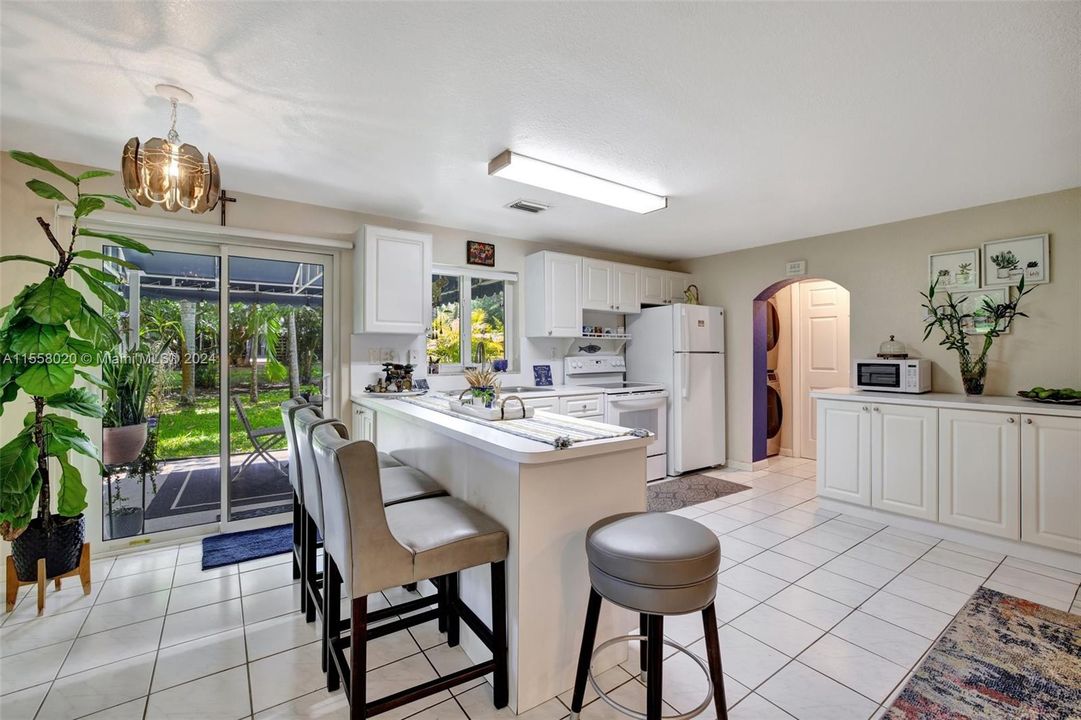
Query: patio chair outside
{"points": [[262, 440]]}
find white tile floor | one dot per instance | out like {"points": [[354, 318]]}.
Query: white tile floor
{"points": [[822, 616]]}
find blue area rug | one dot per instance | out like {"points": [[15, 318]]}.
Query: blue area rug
{"points": [[237, 547]]}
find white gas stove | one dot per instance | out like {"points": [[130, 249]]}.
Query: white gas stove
{"points": [[627, 404]]}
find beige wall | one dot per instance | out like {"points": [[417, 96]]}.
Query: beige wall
{"points": [[885, 268]]}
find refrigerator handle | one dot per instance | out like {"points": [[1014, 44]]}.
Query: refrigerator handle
{"points": [[685, 359], [684, 330]]}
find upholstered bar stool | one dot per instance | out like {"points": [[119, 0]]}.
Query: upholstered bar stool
{"points": [[289, 408], [403, 484], [370, 548], [654, 564]]}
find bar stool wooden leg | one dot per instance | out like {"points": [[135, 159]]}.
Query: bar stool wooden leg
{"points": [[298, 539], [589, 637], [500, 681], [713, 658], [308, 570], [358, 659], [454, 625], [643, 656], [444, 609], [332, 611], [655, 638]]}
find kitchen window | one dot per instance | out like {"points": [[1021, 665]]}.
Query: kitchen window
{"points": [[472, 317]]}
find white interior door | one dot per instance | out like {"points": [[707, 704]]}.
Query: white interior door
{"points": [[822, 322]]}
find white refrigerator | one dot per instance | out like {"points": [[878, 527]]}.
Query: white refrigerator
{"points": [[682, 347]]}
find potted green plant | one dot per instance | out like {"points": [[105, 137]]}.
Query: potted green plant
{"points": [[128, 377], [49, 334], [1006, 262], [125, 520], [955, 324]]}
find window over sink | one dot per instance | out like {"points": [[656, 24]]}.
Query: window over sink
{"points": [[472, 318]]}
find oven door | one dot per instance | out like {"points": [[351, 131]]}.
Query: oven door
{"points": [[879, 376], [649, 412]]}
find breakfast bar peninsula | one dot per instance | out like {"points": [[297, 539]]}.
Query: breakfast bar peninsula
{"points": [[546, 497]]}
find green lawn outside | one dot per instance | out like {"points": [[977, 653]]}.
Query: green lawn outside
{"points": [[194, 432], [185, 432]]}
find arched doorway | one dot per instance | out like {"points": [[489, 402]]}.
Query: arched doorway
{"points": [[801, 343]]}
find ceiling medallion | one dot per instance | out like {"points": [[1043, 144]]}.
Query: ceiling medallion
{"points": [[166, 173]]}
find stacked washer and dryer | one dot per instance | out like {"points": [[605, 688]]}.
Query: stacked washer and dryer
{"points": [[774, 404]]}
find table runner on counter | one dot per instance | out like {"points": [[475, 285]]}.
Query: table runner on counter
{"points": [[559, 431]]}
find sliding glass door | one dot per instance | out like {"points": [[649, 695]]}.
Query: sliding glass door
{"points": [[219, 336], [276, 351]]}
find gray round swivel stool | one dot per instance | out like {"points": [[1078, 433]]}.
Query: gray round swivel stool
{"points": [[654, 564]]}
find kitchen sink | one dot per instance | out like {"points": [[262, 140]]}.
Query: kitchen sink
{"points": [[510, 390]]}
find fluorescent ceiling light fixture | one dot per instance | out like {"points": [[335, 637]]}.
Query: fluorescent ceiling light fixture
{"points": [[545, 175]]}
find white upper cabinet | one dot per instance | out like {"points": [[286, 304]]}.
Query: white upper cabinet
{"points": [[553, 295], [656, 287], [1051, 481], [610, 287], [392, 273], [904, 460], [979, 471], [624, 288], [662, 287], [597, 285]]}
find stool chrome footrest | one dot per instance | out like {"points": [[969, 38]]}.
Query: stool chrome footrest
{"points": [[641, 715]]}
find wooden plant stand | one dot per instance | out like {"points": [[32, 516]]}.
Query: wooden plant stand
{"points": [[14, 583]]}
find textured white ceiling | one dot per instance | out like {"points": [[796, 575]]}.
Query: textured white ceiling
{"points": [[763, 122]]}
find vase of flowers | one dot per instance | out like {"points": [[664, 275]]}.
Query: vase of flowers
{"points": [[958, 332]]}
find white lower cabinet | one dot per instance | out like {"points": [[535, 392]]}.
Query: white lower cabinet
{"points": [[583, 406], [1051, 481], [844, 451], [1004, 471], [549, 403], [979, 471], [879, 455], [363, 424], [904, 460]]}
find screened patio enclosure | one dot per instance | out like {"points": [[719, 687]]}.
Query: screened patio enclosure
{"points": [[230, 337]]}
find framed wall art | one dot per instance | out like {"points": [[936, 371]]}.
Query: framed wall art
{"points": [[981, 321], [956, 271], [479, 253], [1005, 262]]}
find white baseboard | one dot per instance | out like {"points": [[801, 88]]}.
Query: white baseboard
{"points": [[1035, 553]]}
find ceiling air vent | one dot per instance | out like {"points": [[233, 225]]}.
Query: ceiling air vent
{"points": [[529, 206]]}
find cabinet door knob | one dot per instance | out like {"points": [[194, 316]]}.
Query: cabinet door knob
{"points": [[1009, 420], [549, 332], [877, 409], [864, 408], [1028, 421]]}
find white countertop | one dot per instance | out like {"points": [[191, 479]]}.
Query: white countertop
{"points": [[497, 442], [996, 403]]}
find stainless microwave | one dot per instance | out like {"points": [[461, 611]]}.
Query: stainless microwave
{"points": [[905, 375]]}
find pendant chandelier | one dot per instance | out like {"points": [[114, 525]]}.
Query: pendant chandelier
{"points": [[164, 172]]}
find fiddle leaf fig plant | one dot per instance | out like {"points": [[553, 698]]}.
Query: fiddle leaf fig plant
{"points": [[49, 334]]}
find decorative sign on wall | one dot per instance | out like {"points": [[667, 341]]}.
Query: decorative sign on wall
{"points": [[542, 375], [1005, 262], [479, 253], [795, 267], [956, 271]]}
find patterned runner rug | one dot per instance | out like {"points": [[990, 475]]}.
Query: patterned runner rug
{"points": [[1002, 658], [687, 490]]}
